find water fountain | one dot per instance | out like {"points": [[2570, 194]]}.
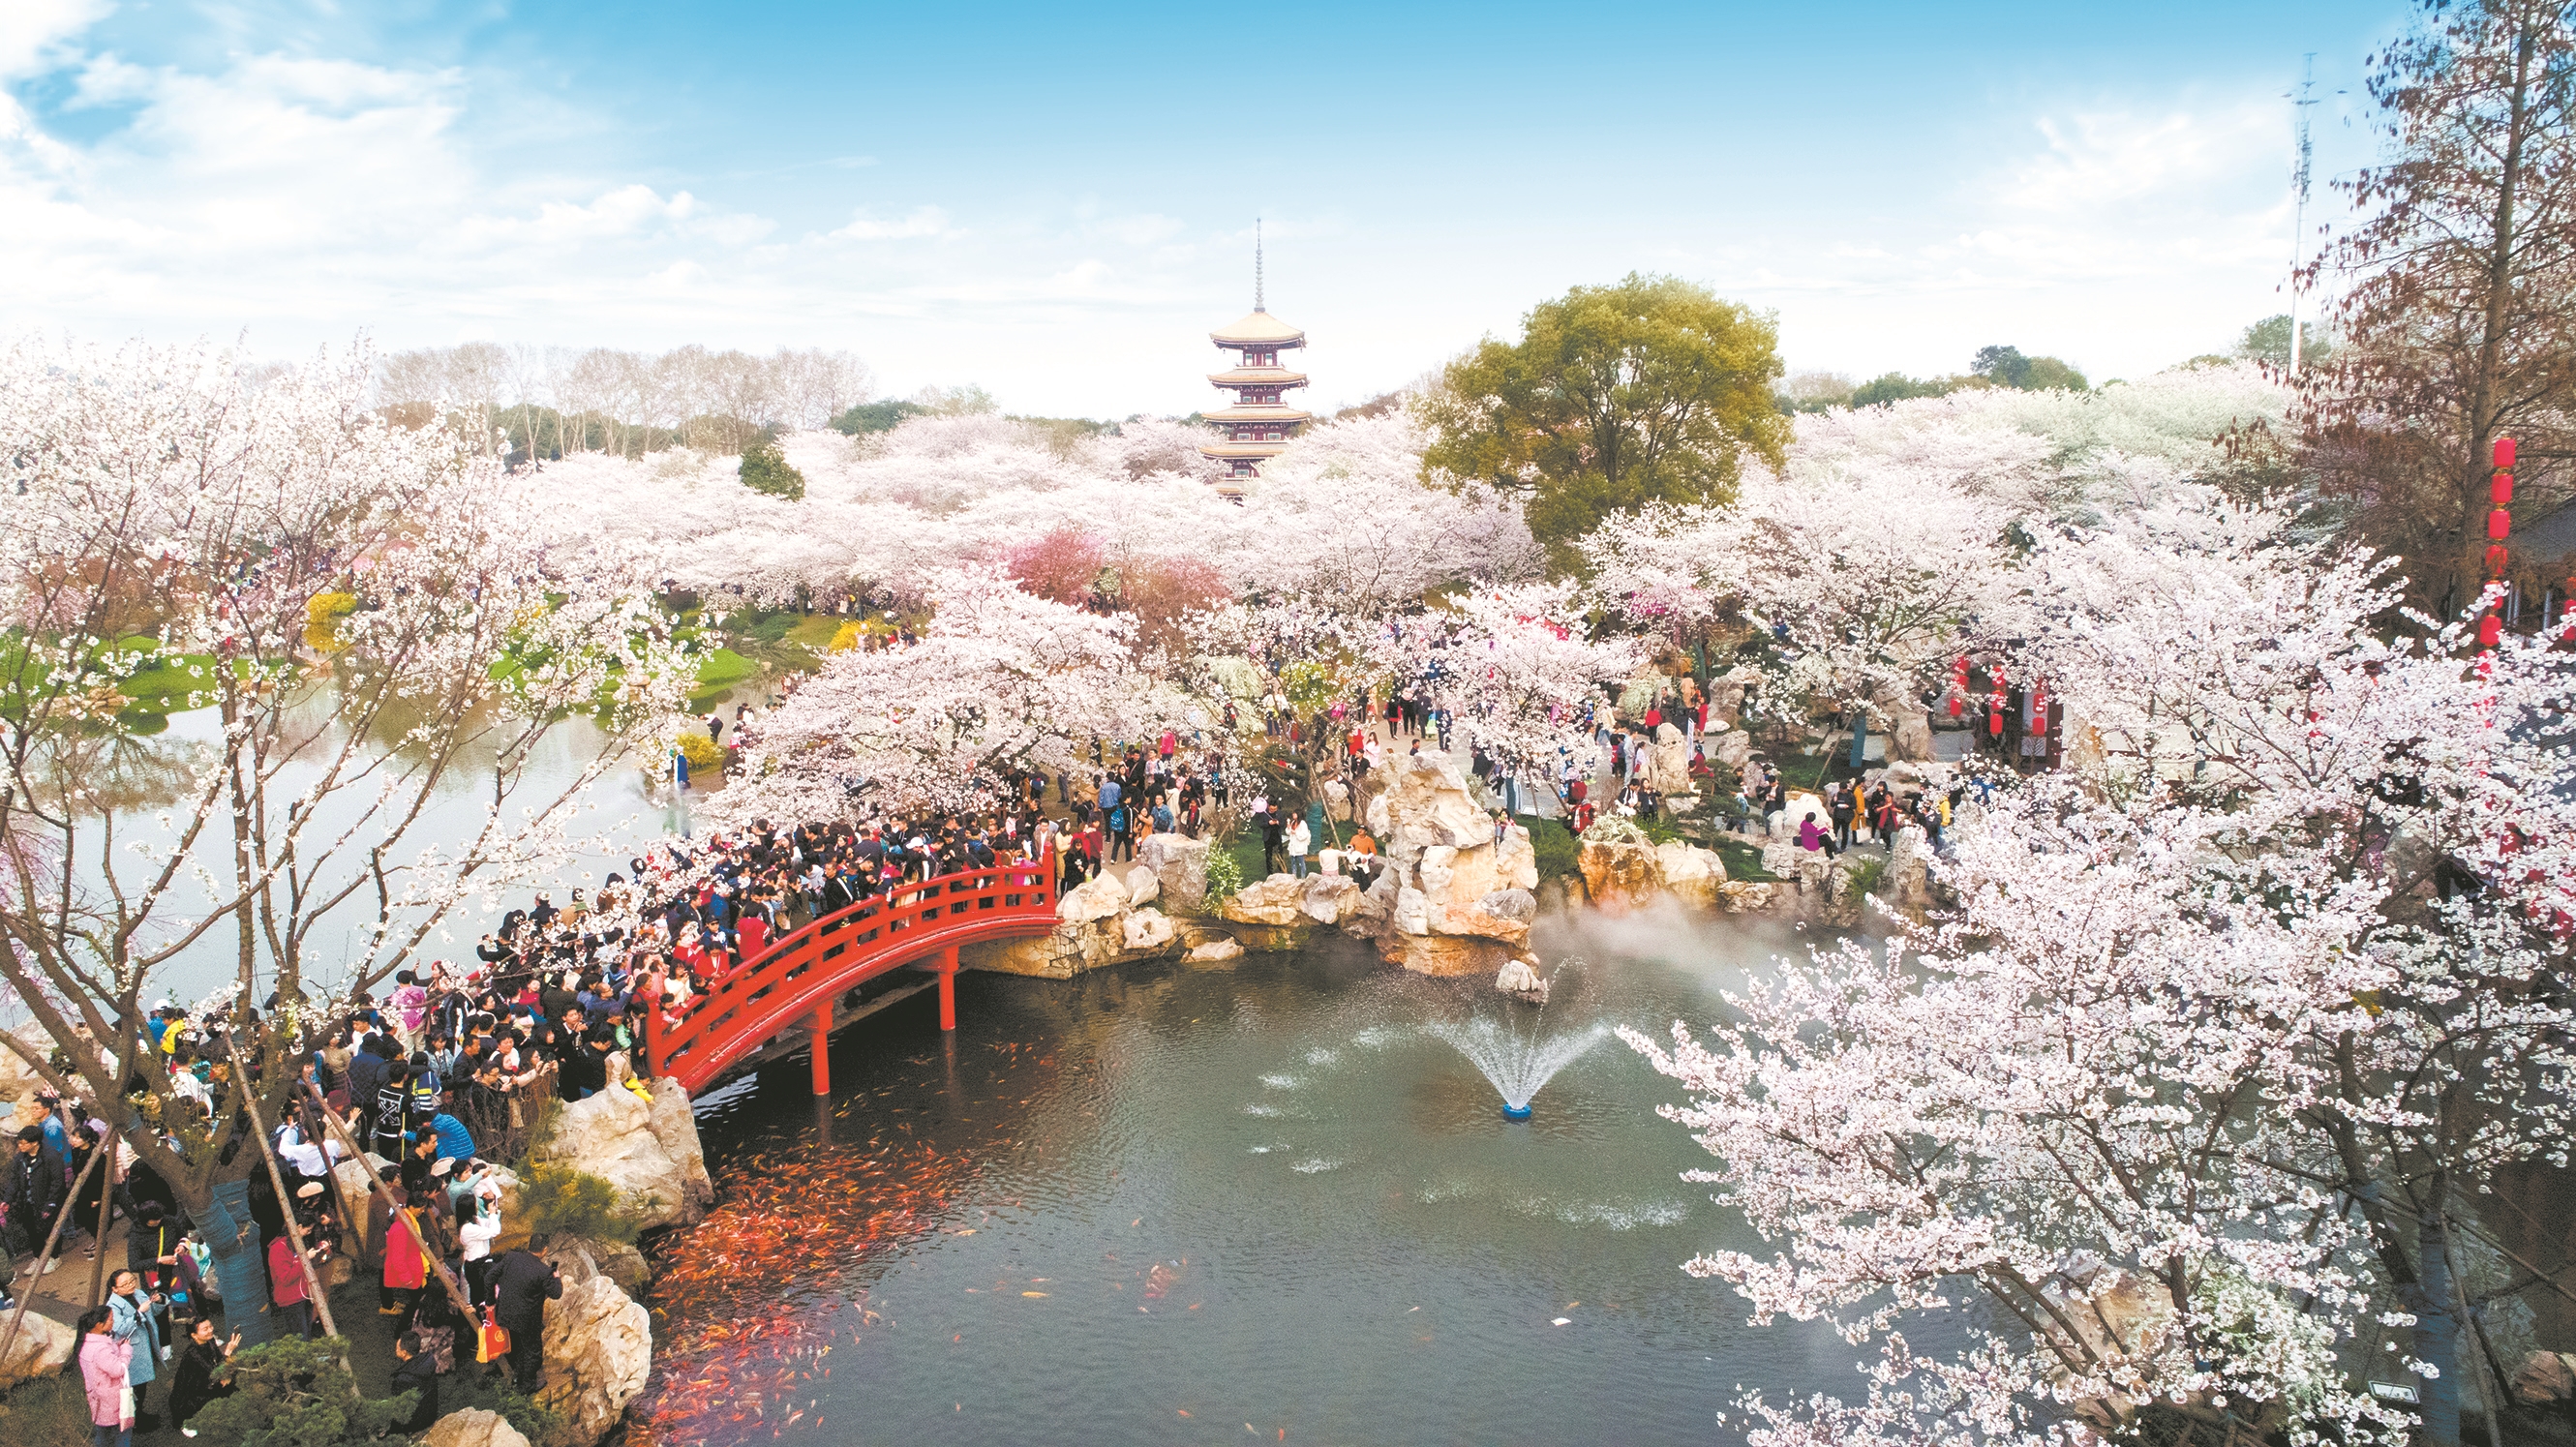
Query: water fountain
{"points": [[1518, 1063]]}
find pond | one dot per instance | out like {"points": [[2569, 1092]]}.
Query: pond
{"points": [[1171, 1204]]}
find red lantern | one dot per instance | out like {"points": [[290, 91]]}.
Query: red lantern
{"points": [[2490, 628], [2500, 489], [2504, 452], [1995, 705], [1959, 686], [2495, 560], [2499, 523]]}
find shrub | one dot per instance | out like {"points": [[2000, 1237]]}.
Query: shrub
{"points": [[847, 637], [558, 1200], [49, 1411], [1224, 876], [295, 1393], [765, 469], [322, 615], [699, 750], [1864, 877]]}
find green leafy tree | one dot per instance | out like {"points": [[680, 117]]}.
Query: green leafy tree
{"points": [[2268, 342], [2048, 374], [1652, 390], [1898, 387], [765, 469], [869, 417], [2003, 366], [296, 1392]]}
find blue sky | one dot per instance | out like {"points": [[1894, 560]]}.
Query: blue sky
{"points": [[1057, 203]]}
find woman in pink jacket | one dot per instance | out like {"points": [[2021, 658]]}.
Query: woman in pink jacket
{"points": [[103, 1362]]}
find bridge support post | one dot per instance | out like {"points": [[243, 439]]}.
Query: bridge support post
{"points": [[948, 988], [821, 1026]]}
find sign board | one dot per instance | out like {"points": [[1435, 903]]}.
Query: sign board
{"points": [[2393, 1392]]}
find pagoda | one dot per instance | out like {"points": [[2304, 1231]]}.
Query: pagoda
{"points": [[1259, 423]]}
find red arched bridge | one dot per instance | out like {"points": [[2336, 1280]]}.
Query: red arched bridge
{"points": [[797, 980]]}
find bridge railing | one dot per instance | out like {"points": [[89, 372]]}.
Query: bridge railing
{"points": [[740, 1011]]}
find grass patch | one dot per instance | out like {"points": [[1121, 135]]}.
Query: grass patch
{"points": [[815, 632], [718, 672], [1553, 844], [1743, 860], [47, 1411]]}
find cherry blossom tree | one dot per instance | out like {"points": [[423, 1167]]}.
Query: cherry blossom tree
{"points": [[372, 628]]}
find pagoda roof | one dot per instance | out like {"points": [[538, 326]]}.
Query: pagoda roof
{"points": [[1258, 412], [1231, 450], [1259, 328], [1258, 377]]}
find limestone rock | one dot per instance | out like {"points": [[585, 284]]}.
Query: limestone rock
{"points": [[1780, 857], [1690, 874], [1377, 814], [1668, 768], [1337, 801], [582, 1257], [1214, 952], [1439, 954], [1909, 868], [473, 1427], [1452, 920], [675, 1125], [1329, 898], [1521, 977], [19, 1080], [1429, 806], [1378, 903], [1146, 929], [2545, 1377], [599, 1349], [1739, 898], [611, 1135], [1412, 913], [1278, 900], [1618, 874], [1732, 748], [40, 1349], [1096, 898], [1142, 885], [1180, 867], [1800, 805], [1514, 903]]}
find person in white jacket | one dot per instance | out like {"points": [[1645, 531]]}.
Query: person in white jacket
{"points": [[1300, 839]]}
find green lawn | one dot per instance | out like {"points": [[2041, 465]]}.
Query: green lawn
{"points": [[718, 672]]}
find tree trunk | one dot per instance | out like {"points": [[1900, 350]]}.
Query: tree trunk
{"points": [[240, 1266], [2437, 1330]]}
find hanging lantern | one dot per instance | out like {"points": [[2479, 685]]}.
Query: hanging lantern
{"points": [[1995, 705], [1959, 686], [2499, 523], [2504, 452], [2490, 628], [2500, 489], [2496, 558]]}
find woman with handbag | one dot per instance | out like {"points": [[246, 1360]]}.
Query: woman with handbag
{"points": [[103, 1364]]}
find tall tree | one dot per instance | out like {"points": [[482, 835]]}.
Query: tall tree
{"points": [[1652, 390], [2460, 318]]}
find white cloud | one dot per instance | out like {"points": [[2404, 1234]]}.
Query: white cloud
{"points": [[923, 221], [31, 29]]}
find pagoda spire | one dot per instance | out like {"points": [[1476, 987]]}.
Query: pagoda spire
{"points": [[1256, 425]]}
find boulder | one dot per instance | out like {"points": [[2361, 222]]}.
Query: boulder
{"points": [[1521, 977], [1412, 912], [1429, 806], [580, 1257], [473, 1427], [1618, 874], [40, 1349], [1329, 898], [1668, 768], [675, 1125], [1146, 929], [1909, 869], [1442, 954], [1739, 898], [19, 1080], [1378, 814], [1690, 874], [1731, 748], [2545, 1377], [1780, 857], [1099, 897], [1517, 904], [1072, 949], [1278, 900], [1337, 801], [1215, 951], [598, 1351], [1475, 923], [611, 1135], [1180, 867], [1141, 883]]}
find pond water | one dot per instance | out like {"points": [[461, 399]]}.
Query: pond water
{"points": [[1167, 1204]]}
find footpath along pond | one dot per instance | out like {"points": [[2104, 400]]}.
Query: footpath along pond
{"points": [[1165, 1204]]}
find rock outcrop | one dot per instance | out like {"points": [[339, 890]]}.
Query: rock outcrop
{"points": [[19, 1080], [1623, 870], [1218, 951], [40, 1349], [1179, 864], [616, 1260], [1521, 977], [1668, 766], [599, 1349], [650, 1153], [473, 1427], [1444, 862], [1145, 930], [1279, 900], [1731, 748]]}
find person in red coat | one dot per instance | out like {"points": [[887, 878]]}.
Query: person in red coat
{"points": [[406, 1266]]}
